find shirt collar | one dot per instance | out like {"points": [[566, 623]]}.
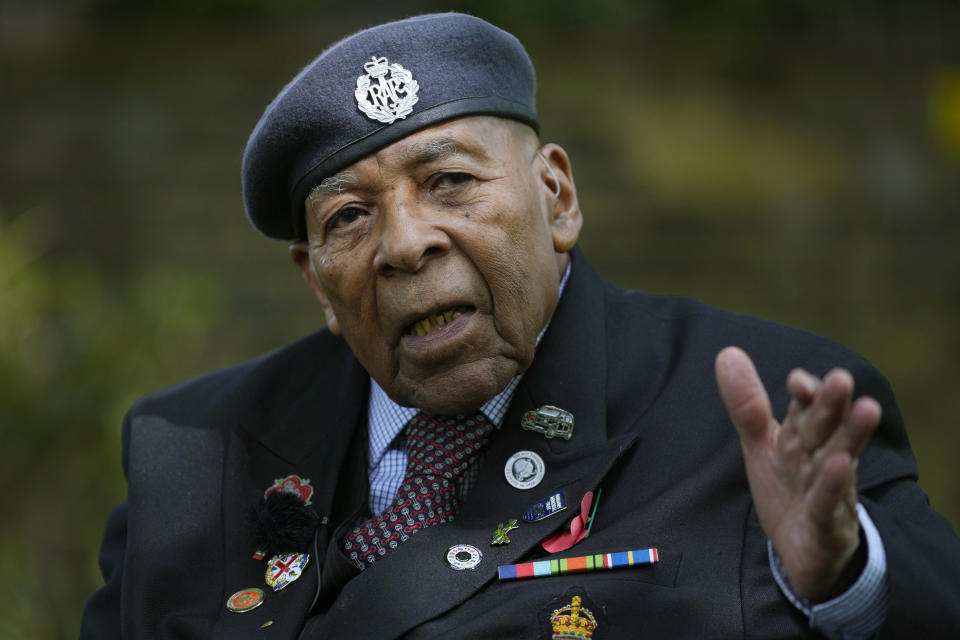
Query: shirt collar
{"points": [[386, 418]]}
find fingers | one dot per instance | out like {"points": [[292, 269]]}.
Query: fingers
{"points": [[821, 416], [744, 396], [820, 422], [802, 386], [827, 409], [863, 421]]}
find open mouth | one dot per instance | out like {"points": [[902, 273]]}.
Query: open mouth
{"points": [[430, 324]]}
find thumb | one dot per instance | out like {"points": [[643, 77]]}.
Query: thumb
{"points": [[744, 396]]}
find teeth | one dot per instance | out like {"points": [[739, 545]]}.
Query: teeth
{"points": [[428, 325]]}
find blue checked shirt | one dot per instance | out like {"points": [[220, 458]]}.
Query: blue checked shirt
{"points": [[857, 613]]}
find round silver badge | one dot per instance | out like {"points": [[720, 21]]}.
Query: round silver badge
{"points": [[524, 470], [463, 556]]}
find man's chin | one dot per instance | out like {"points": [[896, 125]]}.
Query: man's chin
{"points": [[453, 393]]}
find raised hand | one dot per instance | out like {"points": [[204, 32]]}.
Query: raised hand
{"points": [[803, 471]]}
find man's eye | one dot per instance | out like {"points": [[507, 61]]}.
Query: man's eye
{"points": [[344, 217], [448, 181]]}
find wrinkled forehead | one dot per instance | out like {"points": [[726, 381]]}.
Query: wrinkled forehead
{"points": [[480, 141], [371, 90]]}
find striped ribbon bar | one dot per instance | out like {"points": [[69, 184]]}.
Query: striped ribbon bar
{"points": [[579, 564]]}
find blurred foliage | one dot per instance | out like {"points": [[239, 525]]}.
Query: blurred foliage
{"points": [[74, 354], [795, 160]]}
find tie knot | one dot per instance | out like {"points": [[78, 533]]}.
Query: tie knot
{"points": [[445, 445], [458, 424]]}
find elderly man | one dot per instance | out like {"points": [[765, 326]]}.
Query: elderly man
{"points": [[405, 473]]}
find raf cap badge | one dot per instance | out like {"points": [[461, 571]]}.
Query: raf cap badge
{"points": [[551, 421], [386, 92]]}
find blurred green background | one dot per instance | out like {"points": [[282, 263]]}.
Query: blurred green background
{"points": [[795, 160]]}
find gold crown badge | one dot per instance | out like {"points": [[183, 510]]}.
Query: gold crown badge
{"points": [[573, 622]]}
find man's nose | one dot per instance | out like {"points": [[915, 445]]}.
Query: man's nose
{"points": [[411, 236]]}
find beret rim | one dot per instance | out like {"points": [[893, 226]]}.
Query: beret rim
{"points": [[382, 137]]}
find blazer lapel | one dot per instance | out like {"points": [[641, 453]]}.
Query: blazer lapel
{"points": [[308, 429], [569, 371]]}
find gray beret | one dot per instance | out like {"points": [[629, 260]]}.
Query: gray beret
{"points": [[370, 90]]}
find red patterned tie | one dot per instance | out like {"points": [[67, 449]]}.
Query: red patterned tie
{"points": [[440, 451]]}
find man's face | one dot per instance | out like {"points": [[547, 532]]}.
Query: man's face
{"points": [[439, 258]]}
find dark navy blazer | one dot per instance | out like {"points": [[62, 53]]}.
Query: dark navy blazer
{"points": [[637, 373]]}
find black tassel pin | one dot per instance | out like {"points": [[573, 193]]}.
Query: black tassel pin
{"points": [[282, 523]]}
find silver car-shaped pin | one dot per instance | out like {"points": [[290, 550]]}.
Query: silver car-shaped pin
{"points": [[551, 421]]}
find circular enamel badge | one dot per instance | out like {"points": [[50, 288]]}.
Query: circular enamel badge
{"points": [[524, 470], [245, 600], [463, 556]]}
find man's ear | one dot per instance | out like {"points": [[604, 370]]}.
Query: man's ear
{"points": [[557, 178], [300, 252]]}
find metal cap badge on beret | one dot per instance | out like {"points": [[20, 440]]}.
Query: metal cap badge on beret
{"points": [[370, 90]]}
